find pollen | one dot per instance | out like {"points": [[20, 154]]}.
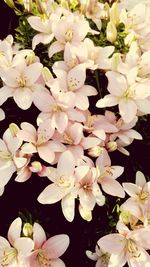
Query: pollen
{"points": [[21, 81], [68, 35]]}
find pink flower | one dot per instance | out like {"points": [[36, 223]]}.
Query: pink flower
{"points": [[47, 252], [9, 146], [131, 98], [73, 81], [39, 141], [21, 247], [127, 246], [139, 195], [62, 185], [106, 176], [20, 82], [101, 257], [58, 106], [71, 28]]}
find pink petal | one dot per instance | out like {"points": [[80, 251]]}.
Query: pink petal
{"points": [[68, 207], [81, 172], [81, 102], [5, 93], [28, 148], [112, 243], [43, 101], [57, 263], [118, 260], [45, 131], [46, 153], [117, 83], [33, 72], [76, 77], [127, 109], [23, 98], [14, 230], [89, 142], [51, 194], [6, 172], [9, 77], [39, 236], [55, 48], [4, 243], [76, 115], [24, 245], [60, 121], [107, 101], [132, 189], [112, 187], [88, 90], [66, 164], [76, 132], [142, 236], [56, 246], [87, 199], [132, 206], [41, 38], [23, 175], [140, 179]]}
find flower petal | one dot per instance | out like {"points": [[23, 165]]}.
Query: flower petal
{"points": [[39, 236], [56, 246], [14, 230]]}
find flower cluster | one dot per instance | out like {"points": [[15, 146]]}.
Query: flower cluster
{"points": [[84, 41], [27, 246], [131, 241]]}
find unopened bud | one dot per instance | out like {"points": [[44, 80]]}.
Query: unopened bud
{"points": [[95, 151], [46, 74], [10, 3], [27, 5], [111, 146], [130, 38], [36, 166], [30, 58], [111, 32], [27, 230], [85, 214], [114, 14], [13, 129], [115, 60]]}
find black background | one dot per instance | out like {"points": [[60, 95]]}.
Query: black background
{"points": [[21, 197]]}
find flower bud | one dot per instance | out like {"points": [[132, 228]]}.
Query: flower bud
{"points": [[10, 3], [114, 14], [30, 58], [36, 166], [13, 129], [85, 214], [115, 60], [46, 74], [111, 146], [95, 151], [111, 32], [27, 230]]}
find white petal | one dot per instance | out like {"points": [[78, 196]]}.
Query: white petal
{"points": [[39, 236], [56, 246], [24, 245], [68, 207], [55, 48], [14, 230], [140, 179], [66, 164], [23, 98], [51, 194], [107, 101]]}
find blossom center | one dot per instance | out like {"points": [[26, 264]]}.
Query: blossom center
{"points": [[5, 155], [56, 108], [43, 260], [128, 94], [144, 196], [73, 84], [62, 181], [68, 35], [133, 249], [21, 81], [67, 139], [8, 257]]}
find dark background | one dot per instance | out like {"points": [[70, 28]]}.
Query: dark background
{"points": [[21, 197]]}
